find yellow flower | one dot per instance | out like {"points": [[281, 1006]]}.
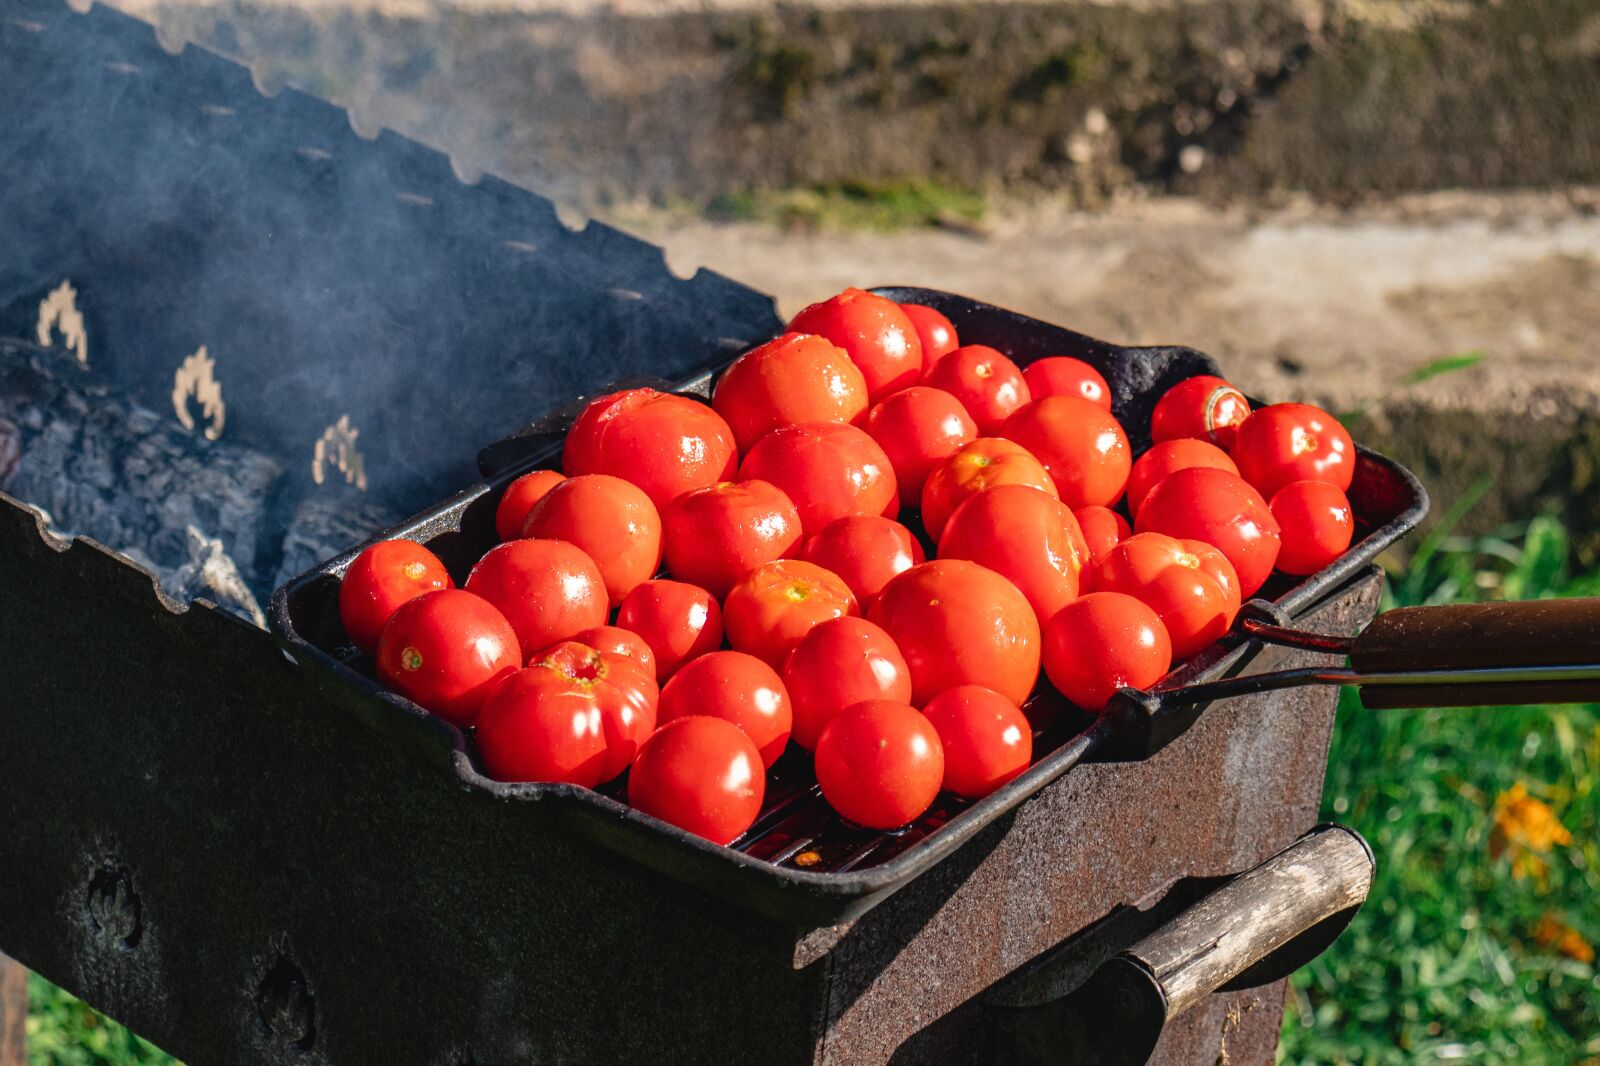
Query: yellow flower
{"points": [[1525, 828], [1552, 932]]}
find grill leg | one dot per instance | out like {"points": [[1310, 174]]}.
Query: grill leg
{"points": [[13, 1013]]}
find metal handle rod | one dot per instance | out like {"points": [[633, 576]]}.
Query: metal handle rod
{"points": [[1325, 675]]}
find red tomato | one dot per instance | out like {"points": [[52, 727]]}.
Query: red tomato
{"points": [[379, 580], [988, 384], [918, 428], [1203, 408], [1062, 375], [1294, 442], [986, 739], [777, 603], [518, 500], [983, 464], [737, 688], [937, 333], [880, 764], [548, 590], [1222, 510], [575, 714], [617, 641], [447, 650], [838, 664], [958, 623], [716, 535], [865, 551], [827, 469], [1189, 584], [1317, 523], [679, 621], [1102, 642], [664, 444], [1102, 528], [881, 340], [795, 378], [702, 775], [611, 519], [1167, 456], [1080, 444], [1024, 535]]}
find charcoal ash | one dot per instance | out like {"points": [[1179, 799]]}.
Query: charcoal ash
{"points": [[326, 524]]}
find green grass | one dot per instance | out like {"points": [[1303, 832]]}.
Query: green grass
{"points": [[854, 205]]}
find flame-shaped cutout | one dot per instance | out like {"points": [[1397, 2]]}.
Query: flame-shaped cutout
{"points": [[194, 378], [337, 446], [60, 310]]}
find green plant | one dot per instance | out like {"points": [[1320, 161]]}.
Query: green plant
{"points": [[65, 1031], [853, 205]]}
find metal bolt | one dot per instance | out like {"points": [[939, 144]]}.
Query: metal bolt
{"points": [[113, 909], [285, 1006]]}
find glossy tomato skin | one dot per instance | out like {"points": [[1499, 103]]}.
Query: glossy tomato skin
{"points": [[664, 444], [610, 519], [1062, 375], [615, 640], [828, 470], [678, 620], [1168, 456], [837, 664], [702, 775], [986, 739], [381, 579], [1219, 509], [958, 623], [716, 535], [983, 464], [1318, 525], [918, 428], [865, 551], [937, 333], [880, 764], [1189, 584], [795, 378], [988, 385], [881, 340], [1102, 528], [1081, 445], [737, 688], [518, 500], [1204, 407], [1102, 642], [447, 651], [777, 603], [548, 590], [1027, 537], [1294, 442]]}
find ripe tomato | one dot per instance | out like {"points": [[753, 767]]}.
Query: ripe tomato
{"points": [[958, 623], [777, 603], [918, 428], [937, 333], [1294, 442], [879, 764], [1062, 375], [840, 663], [737, 688], [1189, 584], [664, 444], [702, 775], [1318, 525], [1222, 510], [1167, 456], [795, 378], [518, 500], [881, 340], [1203, 408], [988, 384], [575, 714], [447, 650], [1080, 444], [1024, 535], [548, 590], [865, 551], [716, 535], [827, 469], [986, 739], [610, 519], [617, 641], [1102, 528], [379, 580], [983, 464], [1102, 642], [679, 621]]}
